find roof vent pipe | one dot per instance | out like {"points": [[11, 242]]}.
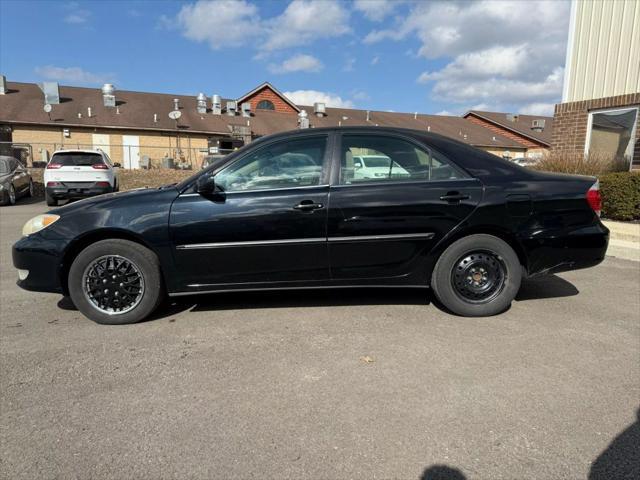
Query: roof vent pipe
{"points": [[246, 109], [368, 116], [303, 120], [89, 112], [176, 104], [231, 108], [155, 118], [3, 85], [415, 115], [319, 108], [428, 128], [202, 103], [108, 95], [216, 106]]}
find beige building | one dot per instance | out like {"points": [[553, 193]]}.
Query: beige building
{"points": [[601, 94], [142, 129]]}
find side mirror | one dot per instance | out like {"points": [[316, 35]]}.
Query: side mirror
{"points": [[117, 165], [206, 186], [357, 165]]}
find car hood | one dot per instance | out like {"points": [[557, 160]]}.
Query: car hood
{"points": [[111, 200]]}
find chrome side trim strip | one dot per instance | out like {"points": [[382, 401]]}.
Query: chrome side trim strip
{"points": [[289, 241], [262, 289], [253, 243], [399, 236]]}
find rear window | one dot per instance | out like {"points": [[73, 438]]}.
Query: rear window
{"points": [[77, 159]]}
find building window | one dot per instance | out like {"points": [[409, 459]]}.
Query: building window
{"points": [[265, 105], [612, 133]]}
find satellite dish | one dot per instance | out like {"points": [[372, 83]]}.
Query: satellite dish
{"points": [[175, 114], [47, 107]]}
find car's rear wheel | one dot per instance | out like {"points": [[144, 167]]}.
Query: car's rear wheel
{"points": [[51, 202], [11, 195], [116, 282], [31, 191], [477, 276]]}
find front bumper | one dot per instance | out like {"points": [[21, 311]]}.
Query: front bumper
{"points": [[42, 259], [68, 192]]}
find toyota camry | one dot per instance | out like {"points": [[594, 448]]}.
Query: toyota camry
{"points": [[440, 215]]}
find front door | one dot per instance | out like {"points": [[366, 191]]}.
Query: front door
{"points": [[392, 202], [131, 151], [267, 228]]}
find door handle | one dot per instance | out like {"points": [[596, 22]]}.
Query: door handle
{"points": [[308, 205], [453, 197]]}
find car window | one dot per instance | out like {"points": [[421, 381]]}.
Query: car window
{"points": [[367, 158], [5, 166], [293, 163], [77, 159]]}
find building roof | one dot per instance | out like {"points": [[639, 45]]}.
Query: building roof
{"points": [[23, 104], [519, 124], [273, 89]]}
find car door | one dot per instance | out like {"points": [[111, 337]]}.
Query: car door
{"points": [[20, 176], [267, 227], [382, 224]]}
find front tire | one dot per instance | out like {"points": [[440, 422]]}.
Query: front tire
{"points": [[31, 191], [115, 282], [477, 276]]}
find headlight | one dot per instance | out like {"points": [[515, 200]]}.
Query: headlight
{"points": [[38, 223]]}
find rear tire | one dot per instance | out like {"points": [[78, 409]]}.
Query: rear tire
{"points": [[130, 274], [477, 276], [51, 202], [31, 191]]}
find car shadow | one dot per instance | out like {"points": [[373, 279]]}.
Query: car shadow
{"points": [[547, 286], [621, 459], [442, 472]]}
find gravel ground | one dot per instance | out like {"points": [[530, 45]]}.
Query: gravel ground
{"points": [[330, 384]]}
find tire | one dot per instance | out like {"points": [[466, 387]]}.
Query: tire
{"points": [[30, 191], [144, 265], [11, 195], [51, 202], [477, 276]]}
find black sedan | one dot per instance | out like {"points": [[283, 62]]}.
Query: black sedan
{"points": [[15, 180], [433, 213]]}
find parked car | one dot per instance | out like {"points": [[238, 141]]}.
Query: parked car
{"points": [[72, 174], [15, 180], [376, 166], [526, 161], [469, 232]]}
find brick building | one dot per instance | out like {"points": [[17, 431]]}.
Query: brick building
{"points": [[134, 128], [601, 95]]}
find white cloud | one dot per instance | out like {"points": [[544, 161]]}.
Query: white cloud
{"points": [[225, 23], [305, 21], [297, 63], [349, 64], [507, 54], [375, 60], [309, 97], [543, 109], [375, 10], [73, 75]]}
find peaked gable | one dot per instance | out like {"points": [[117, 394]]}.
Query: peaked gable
{"points": [[268, 93]]}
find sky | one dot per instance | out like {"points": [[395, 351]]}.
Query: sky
{"points": [[443, 57]]}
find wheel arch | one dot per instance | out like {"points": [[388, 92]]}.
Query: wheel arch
{"points": [[82, 242]]}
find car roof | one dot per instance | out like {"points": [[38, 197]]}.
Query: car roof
{"points": [[78, 150]]}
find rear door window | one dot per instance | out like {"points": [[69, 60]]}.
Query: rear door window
{"points": [[79, 159]]}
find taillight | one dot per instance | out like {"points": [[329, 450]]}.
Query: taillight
{"points": [[103, 184], [53, 166], [99, 166], [53, 184], [594, 198]]}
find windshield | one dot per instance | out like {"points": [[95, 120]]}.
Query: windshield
{"points": [[4, 166], [80, 159]]}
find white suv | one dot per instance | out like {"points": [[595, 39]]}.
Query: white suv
{"points": [[74, 174]]}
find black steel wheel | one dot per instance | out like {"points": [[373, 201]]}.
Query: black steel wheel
{"points": [[478, 275], [116, 282]]}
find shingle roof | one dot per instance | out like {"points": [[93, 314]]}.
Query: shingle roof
{"points": [[24, 105], [521, 124]]}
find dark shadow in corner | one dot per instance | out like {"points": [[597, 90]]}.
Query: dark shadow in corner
{"points": [[547, 286], [442, 472], [621, 459], [65, 303]]}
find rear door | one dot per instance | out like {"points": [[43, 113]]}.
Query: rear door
{"points": [[384, 222]]}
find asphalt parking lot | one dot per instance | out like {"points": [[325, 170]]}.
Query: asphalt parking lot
{"points": [[330, 384]]}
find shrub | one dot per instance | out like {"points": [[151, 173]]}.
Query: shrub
{"points": [[581, 164], [129, 179], [620, 195]]}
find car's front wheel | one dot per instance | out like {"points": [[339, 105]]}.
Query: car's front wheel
{"points": [[116, 282], [476, 276]]}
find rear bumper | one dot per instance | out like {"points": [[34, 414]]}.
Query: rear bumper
{"points": [[569, 249], [42, 259], [69, 192]]}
